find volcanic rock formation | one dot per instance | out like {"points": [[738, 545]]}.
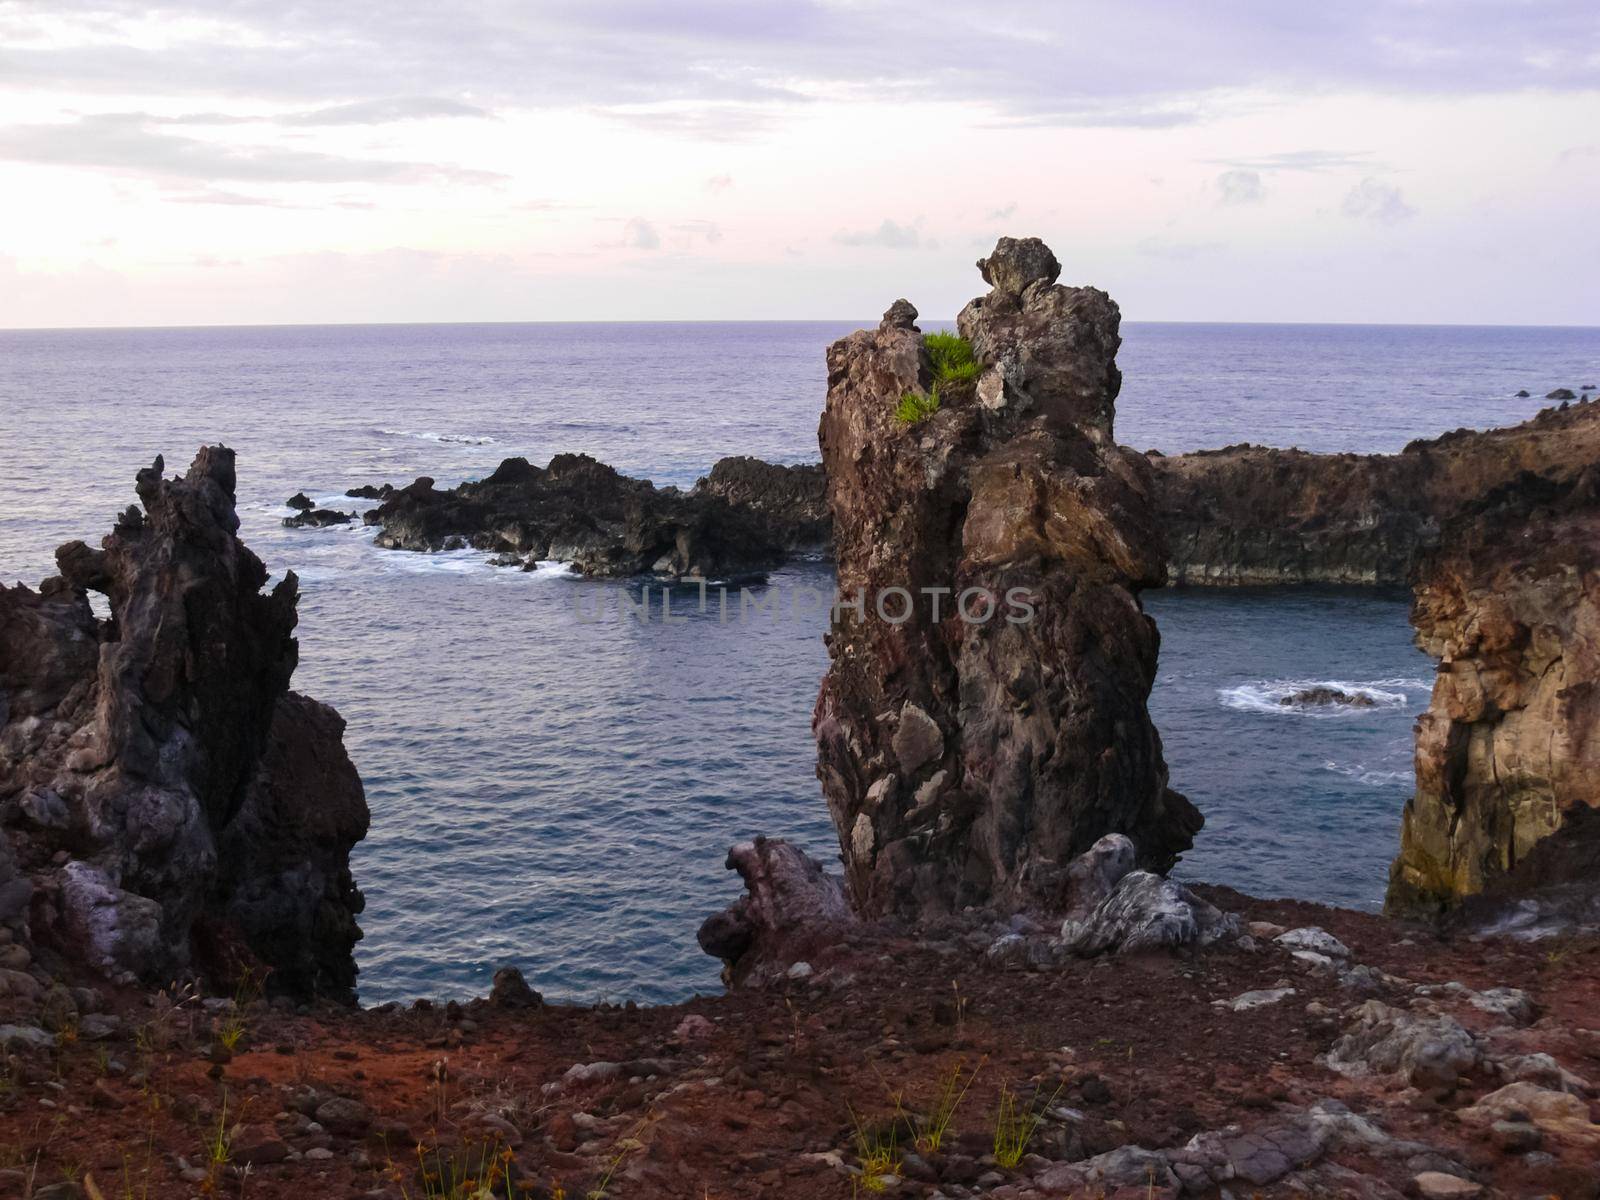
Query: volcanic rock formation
{"points": [[967, 761], [170, 805], [1254, 515], [740, 520], [1509, 748]]}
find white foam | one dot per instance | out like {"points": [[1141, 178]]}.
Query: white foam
{"points": [[462, 439], [1268, 695], [1369, 776]]}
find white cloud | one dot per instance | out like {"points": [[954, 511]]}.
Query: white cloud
{"points": [[1378, 202], [890, 235], [1240, 187], [639, 234]]}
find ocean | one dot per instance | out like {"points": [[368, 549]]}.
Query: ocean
{"points": [[560, 793]]}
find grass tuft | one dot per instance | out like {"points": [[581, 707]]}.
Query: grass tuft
{"points": [[1015, 1124], [952, 358], [877, 1148], [952, 1090], [915, 407]]}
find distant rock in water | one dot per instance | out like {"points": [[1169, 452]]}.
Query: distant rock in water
{"points": [[1508, 752], [167, 805], [1252, 515], [1523, 394], [368, 491], [965, 761], [743, 519], [300, 501], [318, 518], [1561, 394], [1318, 697]]}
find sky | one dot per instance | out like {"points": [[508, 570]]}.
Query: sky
{"points": [[267, 161]]}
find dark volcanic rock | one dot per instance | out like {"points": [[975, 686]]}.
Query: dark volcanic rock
{"points": [[791, 907], [369, 491], [1250, 515], [1561, 394], [318, 518], [1319, 697], [1509, 748], [170, 802], [581, 511], [969, 762], [300, 501], [792, 500]]}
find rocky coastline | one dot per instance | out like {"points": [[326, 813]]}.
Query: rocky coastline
{"points": [[1002, 995]]}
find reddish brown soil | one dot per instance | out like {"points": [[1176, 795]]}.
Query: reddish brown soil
{"points": [[779, 1077]]}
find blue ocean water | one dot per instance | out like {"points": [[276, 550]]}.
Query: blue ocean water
{"points": [[559, 793]]}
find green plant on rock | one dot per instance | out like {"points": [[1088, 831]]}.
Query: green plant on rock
{"points": [[917, 406], [953, 1085], [952, 358], [877, 1147]]}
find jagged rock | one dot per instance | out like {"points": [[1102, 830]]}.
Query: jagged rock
{"points": [[209, 812], [1430, 1050], [1314, 938], [1147, 912], [1036, 727], [1560, 1116], [791, 908], [318, 518], [1094, 874], [581, 511], [792, 501], [511, 990], [1510, 744], [1250, 515], [300, 501]]}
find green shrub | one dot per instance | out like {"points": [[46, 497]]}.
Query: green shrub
{"points": [[952, 358], [915, 406]]}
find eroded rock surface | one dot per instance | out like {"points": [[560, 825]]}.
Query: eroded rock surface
{"points": [[1510, 745], [744, 518], [1255, 515], [790, 906], [169, 803], [967, 761]]}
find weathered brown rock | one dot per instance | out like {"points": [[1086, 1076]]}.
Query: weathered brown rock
{"points": [[1250, 515], [170, 803], [1510, 745], [968, 762], [793, 500], [790, 908]]}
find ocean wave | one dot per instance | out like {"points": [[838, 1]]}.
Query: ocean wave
{"points": [[460, 439], [1371, 776], [1270, 695]]}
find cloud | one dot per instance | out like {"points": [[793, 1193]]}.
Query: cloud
{"points": [[709, 230], [889, 235], [384, 112], [1003, 214], [639, 234], [1176, 249], [1378, 202], [126, 142], [719, 183], [1301, 160], [1240, 187], [731, 67]]}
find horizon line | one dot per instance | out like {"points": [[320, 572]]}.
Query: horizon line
{"points": [[4, 329]]}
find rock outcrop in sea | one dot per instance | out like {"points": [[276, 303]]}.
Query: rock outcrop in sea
{"points": [[1509, 748], [744, 519], [167, 804], [1252, 515], [967, 760]]}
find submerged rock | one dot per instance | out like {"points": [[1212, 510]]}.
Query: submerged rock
{"points": [[970, 751], [168, 802], [318, 518]]}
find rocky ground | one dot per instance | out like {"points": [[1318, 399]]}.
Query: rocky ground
{"points": [[1366, 1060]]}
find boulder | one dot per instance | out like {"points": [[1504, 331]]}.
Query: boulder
{"points": [[791, 908], [1426, 1050], [1146, 912]]}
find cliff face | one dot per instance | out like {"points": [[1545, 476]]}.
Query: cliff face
{"points": [[1509, 748], [170, 804], [968, 761], [1253, 515]]}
